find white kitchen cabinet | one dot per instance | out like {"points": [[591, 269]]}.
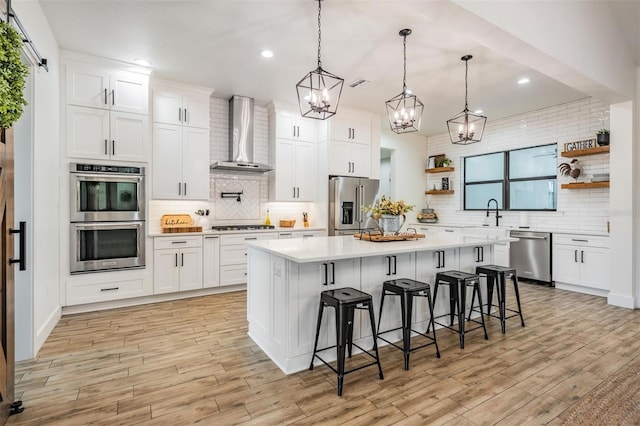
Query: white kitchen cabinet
{"points": [[348, 159], [581, 260], [233, 255], [180, 162], [106, 135], [177, 264], [351, 126], [181, 107], [295, 177], [287, 235], [376, 270], [475, 256], [211, 261], [311, 280], [95, 86], [289, 124]]}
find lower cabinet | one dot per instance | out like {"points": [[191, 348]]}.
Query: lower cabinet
{"points": [[471, 257], [233, 256], [211, 261], [177, 264], [581, 260]]}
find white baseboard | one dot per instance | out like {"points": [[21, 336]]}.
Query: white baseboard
{"points": [[582, 289], [46, 329], [621, 300]]}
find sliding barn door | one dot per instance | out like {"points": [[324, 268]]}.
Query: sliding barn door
{"points": [[6, 274]]}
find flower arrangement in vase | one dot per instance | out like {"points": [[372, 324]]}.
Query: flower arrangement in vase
{"points": [[388, 214]]}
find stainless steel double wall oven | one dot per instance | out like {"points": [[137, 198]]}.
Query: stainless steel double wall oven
{"points": [[107, 213]]}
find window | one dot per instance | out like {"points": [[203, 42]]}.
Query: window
{"points": [[521, 179]]}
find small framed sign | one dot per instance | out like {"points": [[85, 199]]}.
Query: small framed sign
{"points": [[584, 144], [445, 183]]}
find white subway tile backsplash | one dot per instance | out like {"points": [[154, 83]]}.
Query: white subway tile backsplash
{"points": [[586, 209]]}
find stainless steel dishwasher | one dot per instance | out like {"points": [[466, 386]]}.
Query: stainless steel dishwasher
{"points": [[531, 255]]}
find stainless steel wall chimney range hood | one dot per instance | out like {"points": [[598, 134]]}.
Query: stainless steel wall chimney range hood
{"points": [[241, 138]]}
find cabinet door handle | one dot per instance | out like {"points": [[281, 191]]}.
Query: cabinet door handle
{"points": [[113, 147], [395, 265], [179, 188], [581, 256], [211, 237], [333, 273], [388, 265], [186, 116], [250, 238], [179, 242], [298, 188], [185, 188], [353, 131], [577, 240], [481, 254], [575, 256], [106, 102], [325, 266], [113, 97], [181, 259], [106, 147], [443, 257], [176, 260], [179, 114], [110, 289]]}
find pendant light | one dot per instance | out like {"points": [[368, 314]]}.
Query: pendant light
{"points": [[319, 91], [467, 127], [404, 110]]}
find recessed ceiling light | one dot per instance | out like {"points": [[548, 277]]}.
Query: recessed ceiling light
{"points": [[267, 54], [143, 62], [478, 111], [524, 80]]}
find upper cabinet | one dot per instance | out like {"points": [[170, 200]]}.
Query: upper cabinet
{"points": [[107, 106], [351, 126], [181, 107], [292, 150], [94, 86], [180, 141]]}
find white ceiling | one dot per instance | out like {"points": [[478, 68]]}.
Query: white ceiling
{"points": [[217, 43]]}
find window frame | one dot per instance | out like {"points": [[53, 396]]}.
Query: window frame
{"points": [[506, 181]]}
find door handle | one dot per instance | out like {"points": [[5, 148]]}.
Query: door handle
{"points": [[176, 260], [186, 115], [113, 147], [106, 147], [22, 251], [185, 188], [325, 267], [388, 265], [181, 259], [113, 97], [575, 256], [180, 114], [333, 273], [395, 265], [581, 256], [106, 102], [179, 188]]}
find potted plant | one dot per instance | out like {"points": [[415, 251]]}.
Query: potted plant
{"points": [[602, 137], [444, 162], [12, 76], [389, 215]]}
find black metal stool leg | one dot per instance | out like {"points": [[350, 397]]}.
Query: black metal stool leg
{"points": [[381, 305], [315, 345], [473, 299], [460, 296], [350, 315], [430, 303], [375, 338], [453, 304], [517, 291], [490, 284], [341, 343], [435, 293], [502, 301], [477, 287], [407, 308]]}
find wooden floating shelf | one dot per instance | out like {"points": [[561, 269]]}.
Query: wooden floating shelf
{"points": [[588, 151], [440, 169], [584, 185], [439, 192]]}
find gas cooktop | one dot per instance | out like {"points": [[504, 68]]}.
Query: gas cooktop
{"points": [[240, 227]]}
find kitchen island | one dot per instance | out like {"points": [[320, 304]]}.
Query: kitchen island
{"points": [[285, 278]]}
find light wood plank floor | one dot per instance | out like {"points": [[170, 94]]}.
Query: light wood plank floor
{"points": [[191, 361]]}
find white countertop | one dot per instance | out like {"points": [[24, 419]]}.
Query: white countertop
{"points": [[240, 231], [321, 249], [513, 228]]}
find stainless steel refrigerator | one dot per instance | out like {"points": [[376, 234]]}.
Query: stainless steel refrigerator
{"points": [[347, 195]]}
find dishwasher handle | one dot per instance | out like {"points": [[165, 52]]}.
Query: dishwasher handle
{"points": [[528, 237]]}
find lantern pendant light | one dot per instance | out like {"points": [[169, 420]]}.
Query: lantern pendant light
{"points": [[466, 127], [319, 91], [404, 110]]}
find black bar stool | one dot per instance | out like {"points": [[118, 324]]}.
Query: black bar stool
{"points": [[407, 288], [345, 301], [458, 282], [497, 275]]}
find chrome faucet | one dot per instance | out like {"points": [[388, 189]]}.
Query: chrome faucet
{"points": [[488, 208]]}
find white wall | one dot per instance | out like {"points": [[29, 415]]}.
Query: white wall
{"points": [[46, 177], [586, 210], [408, 162]]}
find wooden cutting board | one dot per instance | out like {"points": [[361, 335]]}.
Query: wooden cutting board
{"points": [[380, 238], [172, 223]]}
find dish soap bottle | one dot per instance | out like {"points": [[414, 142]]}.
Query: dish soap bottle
{"points": [[267, 220]]}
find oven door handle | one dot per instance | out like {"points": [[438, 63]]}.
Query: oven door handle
{"points": [[109, 225]]}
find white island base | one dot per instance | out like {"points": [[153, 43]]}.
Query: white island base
{"points": [[285, 278]]}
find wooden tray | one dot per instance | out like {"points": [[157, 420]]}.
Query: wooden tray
{"points": [[380, 238], [173, 223]]}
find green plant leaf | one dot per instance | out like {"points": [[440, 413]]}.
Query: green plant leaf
{"points": [[12, 76]]}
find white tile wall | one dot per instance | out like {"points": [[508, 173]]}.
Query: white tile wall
{"points": [[586, 209]]}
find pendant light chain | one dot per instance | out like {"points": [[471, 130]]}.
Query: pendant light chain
{"points": [[404, 78], [319, 32], [466, 90]]}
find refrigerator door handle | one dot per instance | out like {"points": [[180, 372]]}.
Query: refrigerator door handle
{"points": [[362, 198]]}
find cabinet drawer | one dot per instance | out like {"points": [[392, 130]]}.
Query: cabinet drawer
{"points": [[102, 292], [581, 240], [226, 240], [233, 255], [233, 274], [177, 242]]}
